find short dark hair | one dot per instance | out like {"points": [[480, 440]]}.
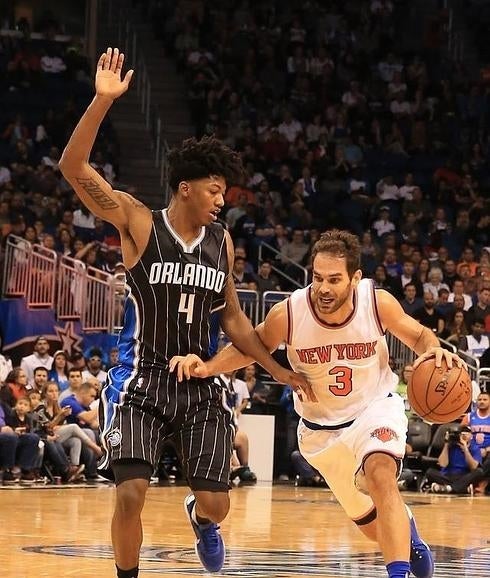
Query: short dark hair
{"points": [[74, 370], [198, 159], [39, 368], [340, 244], [94, 352]]}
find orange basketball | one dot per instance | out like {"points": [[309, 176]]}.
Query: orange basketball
{"points": [[439, 394]]}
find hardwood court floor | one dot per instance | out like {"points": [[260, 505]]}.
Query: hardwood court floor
{"points": [[273, 531]]}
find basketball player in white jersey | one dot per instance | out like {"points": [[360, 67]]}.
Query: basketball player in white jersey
{"points": [[354, 435]]}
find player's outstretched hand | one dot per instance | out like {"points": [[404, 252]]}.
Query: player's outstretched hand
{"points": [[188, 366], [298, 382], [108, 81], [439, 353]]}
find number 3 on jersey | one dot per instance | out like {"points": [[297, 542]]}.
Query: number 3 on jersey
{"points": [[186, 305], [343, 380]]}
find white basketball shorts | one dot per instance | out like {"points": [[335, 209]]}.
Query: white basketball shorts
{"points": [[339, 454]]}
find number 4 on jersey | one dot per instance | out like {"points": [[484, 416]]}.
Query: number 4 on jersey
{"points": [[186, 305]]}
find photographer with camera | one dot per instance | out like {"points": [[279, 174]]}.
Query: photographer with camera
{"points": [[459, 460]]}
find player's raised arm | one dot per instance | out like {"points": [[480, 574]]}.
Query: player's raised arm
{"points": [[92, 189], [412, 333]]}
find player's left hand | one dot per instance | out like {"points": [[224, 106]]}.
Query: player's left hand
{"points": [[439, 353], [108, 82], [188, 366]]}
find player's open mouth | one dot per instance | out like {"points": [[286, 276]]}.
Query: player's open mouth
{"points": [[326, 300], [214, 214]]}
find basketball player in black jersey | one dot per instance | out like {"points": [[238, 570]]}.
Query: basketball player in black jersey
{"points": [[178, 263]]}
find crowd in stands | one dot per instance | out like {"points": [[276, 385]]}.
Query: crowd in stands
{"points": [[337, 126], [45, 84], [48, 417], [49, 425]]}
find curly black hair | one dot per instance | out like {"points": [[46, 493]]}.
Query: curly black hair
{"points": [[198, 159]]}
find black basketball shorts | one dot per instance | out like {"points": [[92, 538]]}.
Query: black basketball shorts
{"points": [[138, 413]]}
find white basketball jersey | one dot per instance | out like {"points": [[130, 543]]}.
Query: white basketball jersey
{"points": [[346, 364]]}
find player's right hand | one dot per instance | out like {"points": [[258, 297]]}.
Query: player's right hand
{"points": [[188, 366]]}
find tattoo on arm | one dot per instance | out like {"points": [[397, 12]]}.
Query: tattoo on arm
{"points": [[136, 204], [97, 194]]}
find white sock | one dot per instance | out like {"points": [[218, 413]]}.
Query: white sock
{"points": [[193, 514]]}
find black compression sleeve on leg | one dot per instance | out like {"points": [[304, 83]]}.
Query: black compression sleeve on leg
{"points": [[368, 518], [131, 469], [133, 573]]}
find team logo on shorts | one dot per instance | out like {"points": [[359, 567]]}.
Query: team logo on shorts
{"points": [[114, 438], [384, 434]]}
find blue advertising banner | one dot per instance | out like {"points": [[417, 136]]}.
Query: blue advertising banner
{"points": [[20, 326]]}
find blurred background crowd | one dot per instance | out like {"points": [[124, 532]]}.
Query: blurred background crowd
{"points": [[354, 115]]}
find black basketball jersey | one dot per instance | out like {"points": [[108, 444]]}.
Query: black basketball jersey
{"points": [[171, 293]]}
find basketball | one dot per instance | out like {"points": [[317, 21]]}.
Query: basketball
{"points": [[439, 394]]}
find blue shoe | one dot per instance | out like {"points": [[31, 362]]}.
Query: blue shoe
{"points": [[421, 559], [209, 544]]}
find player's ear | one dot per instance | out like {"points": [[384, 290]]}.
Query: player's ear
{"points": [[184, 188], [356, 277]]}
